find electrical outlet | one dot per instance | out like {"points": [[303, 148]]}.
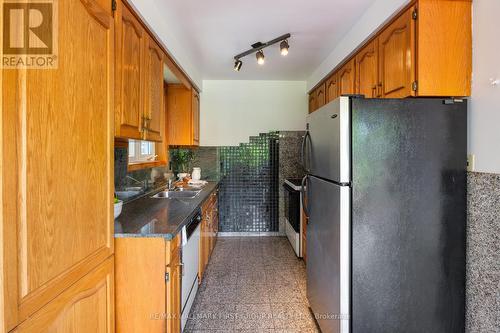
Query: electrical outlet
{"points": [[471, 162]]}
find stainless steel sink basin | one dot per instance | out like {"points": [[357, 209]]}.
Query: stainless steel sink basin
{"points": [[186, 194]]}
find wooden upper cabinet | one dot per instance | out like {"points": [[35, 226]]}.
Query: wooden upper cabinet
{"points": [[444, 57], [154, 113], [182, 115], [425, 51], [196, 117], [312, 101], [320, 96], [332, 88], [57, 170], [129, 73], [347, 78], [367, 82], [397, 57]]}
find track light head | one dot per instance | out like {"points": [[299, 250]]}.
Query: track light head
{"points": [[260, 57], [237, 65], [258, 47], [284, 47]]}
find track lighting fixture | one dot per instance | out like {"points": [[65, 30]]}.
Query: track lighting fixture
{"points": [[284, 47], [237, 65], [258, 47], [260, 57]]}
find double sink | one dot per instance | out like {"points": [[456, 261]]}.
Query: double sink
{"points": [[179, 193]]}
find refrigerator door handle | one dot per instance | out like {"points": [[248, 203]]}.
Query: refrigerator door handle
{"points": [[303, 190], [303, 152]]}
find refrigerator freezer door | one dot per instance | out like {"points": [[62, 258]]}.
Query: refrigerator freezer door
{"points": [[328, 254], [328, 152]]}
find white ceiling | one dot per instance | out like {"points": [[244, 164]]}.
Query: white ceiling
{"points": [[214, 31]]}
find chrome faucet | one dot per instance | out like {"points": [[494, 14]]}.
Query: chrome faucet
{"points": [[170, 182]]}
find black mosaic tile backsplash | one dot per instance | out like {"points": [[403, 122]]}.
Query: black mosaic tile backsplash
{"points": [[249, 185]]}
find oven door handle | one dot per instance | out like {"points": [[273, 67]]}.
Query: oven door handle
{"points": [[303, 190]]}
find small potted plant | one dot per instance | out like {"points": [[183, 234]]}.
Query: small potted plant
{"points": [[181, 160]]}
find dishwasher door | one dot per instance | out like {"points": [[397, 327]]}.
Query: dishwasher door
{"points": [[190, 260]]}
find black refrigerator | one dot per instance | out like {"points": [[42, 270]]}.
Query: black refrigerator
{"points": [[385, 193]]}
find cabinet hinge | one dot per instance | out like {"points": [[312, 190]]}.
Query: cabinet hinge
{"points": [[167, 277], [414, 14], [113, 5], [414, 86]]}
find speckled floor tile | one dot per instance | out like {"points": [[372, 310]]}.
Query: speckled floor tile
{"points": [[292, 316], [273, 276], [253, 316], [222, 278], [252, 284], [219, 295], [285, 293], [252, 294], [249, 277], [215, 317]]}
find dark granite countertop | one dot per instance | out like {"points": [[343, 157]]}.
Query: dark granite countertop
{"points": [[152, 217]]}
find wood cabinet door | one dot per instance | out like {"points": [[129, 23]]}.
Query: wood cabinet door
{"points": [[196, 117], [179, 115], [320, 96], [86, 306], [397, 57], [57, 164], [129, 73], [332, 88], [153, 89], [174, 269], [367, 71], [312, 101], [347, 78]]}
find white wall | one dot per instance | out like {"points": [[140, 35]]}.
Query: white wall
{"points": [[160, 19], [484, 111], [375, 16], [232, 111]]}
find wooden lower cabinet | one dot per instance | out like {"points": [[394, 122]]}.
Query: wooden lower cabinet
{"points": [[174, 306], [209, 230], [148, 284], [86, 306]]}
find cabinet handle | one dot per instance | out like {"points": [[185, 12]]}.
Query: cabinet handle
{"points": [[380, 89], [374, 91]]}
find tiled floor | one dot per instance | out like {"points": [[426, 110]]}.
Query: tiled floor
{"points": [[252, 284]]}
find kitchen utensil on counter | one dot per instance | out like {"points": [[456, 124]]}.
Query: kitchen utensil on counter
{"points": [[182, 175], [196, 175]]}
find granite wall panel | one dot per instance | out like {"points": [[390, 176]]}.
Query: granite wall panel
{"points": [[483, 253]]}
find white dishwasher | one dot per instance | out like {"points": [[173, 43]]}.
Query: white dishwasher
{"points": [[190, 260]]}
